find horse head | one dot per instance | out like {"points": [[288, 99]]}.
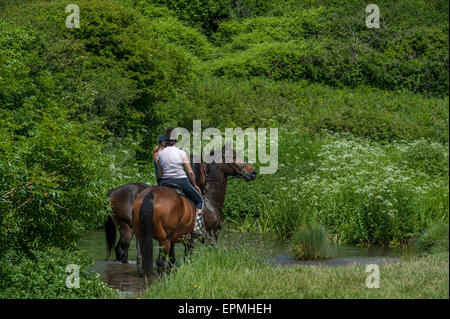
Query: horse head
{"points": [[232, 164]]}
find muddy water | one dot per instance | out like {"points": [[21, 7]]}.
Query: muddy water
{"points": [[124, 277]]}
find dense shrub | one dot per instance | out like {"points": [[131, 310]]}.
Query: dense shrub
{"points": [[408, 51], [428, 156], [204, 14], [112, 43], [172, 31], [43, 275], [335, 63], [365, 112], [238, 35], [49, 182]]}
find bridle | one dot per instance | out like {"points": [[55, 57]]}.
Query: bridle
{"points": [[232, 165]]}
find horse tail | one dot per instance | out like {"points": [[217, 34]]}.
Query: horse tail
{"points": [[110, 232], [110, 228], [146, 221], [108, 194]]}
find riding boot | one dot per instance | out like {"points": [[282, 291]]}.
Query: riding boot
{"points": [[198, 226]]}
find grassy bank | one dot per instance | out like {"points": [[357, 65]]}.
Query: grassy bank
{"points": [[240, 273]]}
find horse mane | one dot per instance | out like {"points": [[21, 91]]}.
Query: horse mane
{"points": [[197, 165]]}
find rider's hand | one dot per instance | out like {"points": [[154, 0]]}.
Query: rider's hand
{"points": [[198, 189]]}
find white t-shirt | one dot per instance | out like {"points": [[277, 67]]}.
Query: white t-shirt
{"points": [[171, 161]]}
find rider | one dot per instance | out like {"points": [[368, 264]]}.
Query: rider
{"points": [[156, 150], [170, 163]]}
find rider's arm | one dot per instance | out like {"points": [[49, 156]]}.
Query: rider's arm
{"points": [[190, 173]]}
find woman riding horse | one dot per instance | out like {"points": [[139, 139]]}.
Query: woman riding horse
{"points": [[159, 212], [170, 162]]}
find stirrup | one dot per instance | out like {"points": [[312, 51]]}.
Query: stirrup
{"points": [[198, 225]]}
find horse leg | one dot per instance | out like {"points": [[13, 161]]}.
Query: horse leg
{"points": [[164, 250], [126, 234], [172, 255], [118, 250], [189, 246], [160, 260]]}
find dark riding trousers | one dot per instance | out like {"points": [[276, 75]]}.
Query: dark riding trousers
{"points": [[188, 189]]}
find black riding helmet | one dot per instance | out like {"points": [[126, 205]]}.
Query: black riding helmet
{"points": [[168, 133]]}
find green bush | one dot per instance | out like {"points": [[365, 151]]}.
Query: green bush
{"points": [[172, 31], [428, 156], [204, 14], [330, 43], [43, 275], [311, 243], [50, 182], [434, 239], [335, 63], [112, 42], [238, 35], [364, 112]]}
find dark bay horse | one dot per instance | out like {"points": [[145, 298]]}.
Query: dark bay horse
{"points": [[160, 212], [121, 200]]}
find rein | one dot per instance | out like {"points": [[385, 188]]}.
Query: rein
{"points": [[223, 180]]}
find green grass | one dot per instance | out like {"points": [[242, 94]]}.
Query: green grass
{"points": [[434, 239], [312, 242], [240, 273]]}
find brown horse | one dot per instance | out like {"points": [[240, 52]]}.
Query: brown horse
{"points": [[121, 200], [160, 212]]}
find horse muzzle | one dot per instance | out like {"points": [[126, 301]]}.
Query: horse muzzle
{"points": [[249, 177]]}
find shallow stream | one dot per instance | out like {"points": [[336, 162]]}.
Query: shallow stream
{"points": [[125, 278]]}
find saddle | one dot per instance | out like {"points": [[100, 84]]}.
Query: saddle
{"points": [[178, 189]]}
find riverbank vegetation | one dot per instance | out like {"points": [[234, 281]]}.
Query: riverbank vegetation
{"points": [[45, 274], [312, 242], [434, 239], [362, 116], [239, 272]]}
